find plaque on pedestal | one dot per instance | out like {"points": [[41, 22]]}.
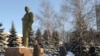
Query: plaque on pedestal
{"points": [[18, 51]]}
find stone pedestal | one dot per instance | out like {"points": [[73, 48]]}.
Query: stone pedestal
{"points": [[18, 51]]}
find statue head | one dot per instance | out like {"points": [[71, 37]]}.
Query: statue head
{"points": [[27, 9]]}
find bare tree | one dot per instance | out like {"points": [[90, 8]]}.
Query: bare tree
{"points": [[48, 18], [83, 12], [63, 15], [46, 14]]}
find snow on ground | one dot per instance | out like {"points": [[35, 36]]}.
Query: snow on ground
{"points": [[70, 54]]}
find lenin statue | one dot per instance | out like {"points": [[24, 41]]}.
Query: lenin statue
{"points": [[27, 22]]}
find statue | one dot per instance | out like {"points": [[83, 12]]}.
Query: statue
{"points": [[27, 22]]}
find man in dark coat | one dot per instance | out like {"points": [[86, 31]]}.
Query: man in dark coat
{"points": [[92, 50], [62, 49]]}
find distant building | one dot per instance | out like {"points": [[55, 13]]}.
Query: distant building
{"points": [[98, 16]]}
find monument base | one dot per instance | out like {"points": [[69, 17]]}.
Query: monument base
{"points": [[19, 51]]}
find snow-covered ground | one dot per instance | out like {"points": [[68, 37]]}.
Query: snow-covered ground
{"points": [[1, 54], [70, 54]]}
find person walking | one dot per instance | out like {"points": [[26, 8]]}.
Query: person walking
{"points": [[37, 50], [62, 49], [92, 50]]}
